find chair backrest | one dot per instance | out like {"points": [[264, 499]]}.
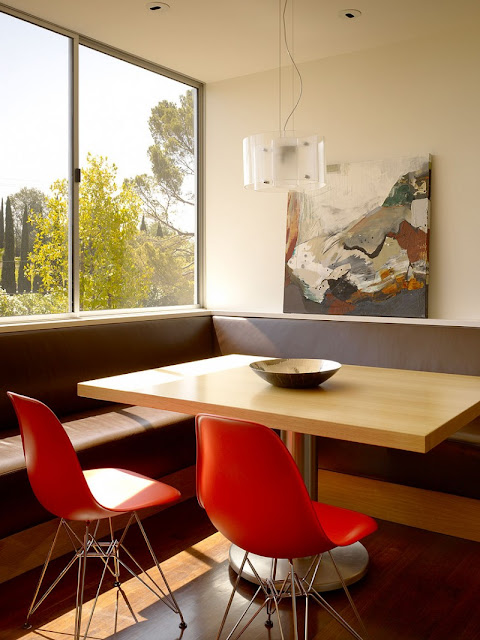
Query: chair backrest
{"points": [[252, 490], [52, 464]]}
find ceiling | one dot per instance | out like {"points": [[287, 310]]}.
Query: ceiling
{"points": [[212, 40]]}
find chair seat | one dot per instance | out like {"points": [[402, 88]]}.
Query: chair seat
{"points": [[343, 526], [121, 490]]}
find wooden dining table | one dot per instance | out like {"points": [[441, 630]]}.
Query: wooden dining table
{"points": [[400, 409]]}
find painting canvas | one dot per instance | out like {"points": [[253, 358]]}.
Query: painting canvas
{"points": [[360, 246]]}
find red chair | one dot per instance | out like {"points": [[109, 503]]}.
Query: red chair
{"points": [[253, 493], [97, 494]]}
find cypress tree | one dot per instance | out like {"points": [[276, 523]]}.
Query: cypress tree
{"points": [[159, 231], [8, 260], [37, 280], [23, 281], [143, 226], [2, 227]]}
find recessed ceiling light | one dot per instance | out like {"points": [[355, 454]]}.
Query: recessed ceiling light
{"points": [[349, 14], [159, 7]]}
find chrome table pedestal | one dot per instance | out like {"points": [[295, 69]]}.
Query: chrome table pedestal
{"points": [[352, 561]]}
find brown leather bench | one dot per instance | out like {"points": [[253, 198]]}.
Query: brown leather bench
{"points": [[47, 364]]}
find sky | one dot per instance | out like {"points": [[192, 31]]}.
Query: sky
{"points": [[115, 100]]}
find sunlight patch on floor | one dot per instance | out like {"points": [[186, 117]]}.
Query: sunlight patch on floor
{"points": [[180, 570]]}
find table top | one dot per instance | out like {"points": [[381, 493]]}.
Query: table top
{"points": [[402, 409]]}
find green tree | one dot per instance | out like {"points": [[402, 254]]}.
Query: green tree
{"points": [[109, 274], [172, 154], [8, 260], [2, 227], [172, 276], [108, 226], [34, 200], [166, 197], [24, 284], [48, 260]]}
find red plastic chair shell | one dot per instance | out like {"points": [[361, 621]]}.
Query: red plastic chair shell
{"points": [[253, 493], [59, 482]]}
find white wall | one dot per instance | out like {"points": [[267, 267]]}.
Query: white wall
{"points": [[420, 96]]}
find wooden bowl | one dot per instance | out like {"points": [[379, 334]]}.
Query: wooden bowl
{"points": [[295, 373]]}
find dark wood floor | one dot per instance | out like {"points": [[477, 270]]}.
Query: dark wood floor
{"points": [[420, 586]]}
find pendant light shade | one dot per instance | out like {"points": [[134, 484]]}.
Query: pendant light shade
{"points": [[283, 161]]}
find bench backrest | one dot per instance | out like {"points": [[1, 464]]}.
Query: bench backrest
{"points": [[47, 364], [420, 347]]}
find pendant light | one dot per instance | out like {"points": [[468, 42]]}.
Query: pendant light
{"points": [[284, 160]]}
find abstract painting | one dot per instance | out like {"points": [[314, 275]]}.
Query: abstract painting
{"points": [[360, 245]]}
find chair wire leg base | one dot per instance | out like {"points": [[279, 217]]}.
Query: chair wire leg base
{"points": [[109, 553], [35, 604], [170, 599], [291, 587]]}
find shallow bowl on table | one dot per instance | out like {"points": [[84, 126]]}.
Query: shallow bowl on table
{"points": [[295, 373]]}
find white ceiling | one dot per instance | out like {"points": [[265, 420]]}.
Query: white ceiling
{"points": [[212, 40]]}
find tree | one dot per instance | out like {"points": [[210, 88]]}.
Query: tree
{"points": [[143, 226], [2, 227], [108, 225], [34, 200], [173, 153], [109, 275], [166, 197], [168, 193], [172, 276], [8, 259], [24, 283], [48, 260]]}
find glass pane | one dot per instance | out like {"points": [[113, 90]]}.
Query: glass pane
{"points": [[137, 194], [34, 163]]}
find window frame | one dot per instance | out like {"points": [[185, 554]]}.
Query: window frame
{"points": [[77, 40]]}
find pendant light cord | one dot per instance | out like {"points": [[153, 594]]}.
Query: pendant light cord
{"points": [[279, 65], [285, 39]]}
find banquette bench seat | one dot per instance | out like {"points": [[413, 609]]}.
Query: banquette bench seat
{"points": [[48, 363]]}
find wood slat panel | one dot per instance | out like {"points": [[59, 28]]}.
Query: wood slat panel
{"points": [[430, 510]]}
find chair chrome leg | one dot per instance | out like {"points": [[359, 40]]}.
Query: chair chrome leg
{"points": [[273, 575], [347, 593], [116, 567], [291, 586], [176, 608], [109, 553], [81, 584], [294, 600], [306, 618], [92, 611], [34, 606], [265, 586], [232, 595]]}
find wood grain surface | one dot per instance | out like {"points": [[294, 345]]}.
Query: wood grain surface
{"points": [[420, 586], [411, 410], [430, 510]]}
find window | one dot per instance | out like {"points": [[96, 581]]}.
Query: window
{"points": [[122, 232]]}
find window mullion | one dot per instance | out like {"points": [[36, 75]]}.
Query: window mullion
{"points": [[74, 237]]}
